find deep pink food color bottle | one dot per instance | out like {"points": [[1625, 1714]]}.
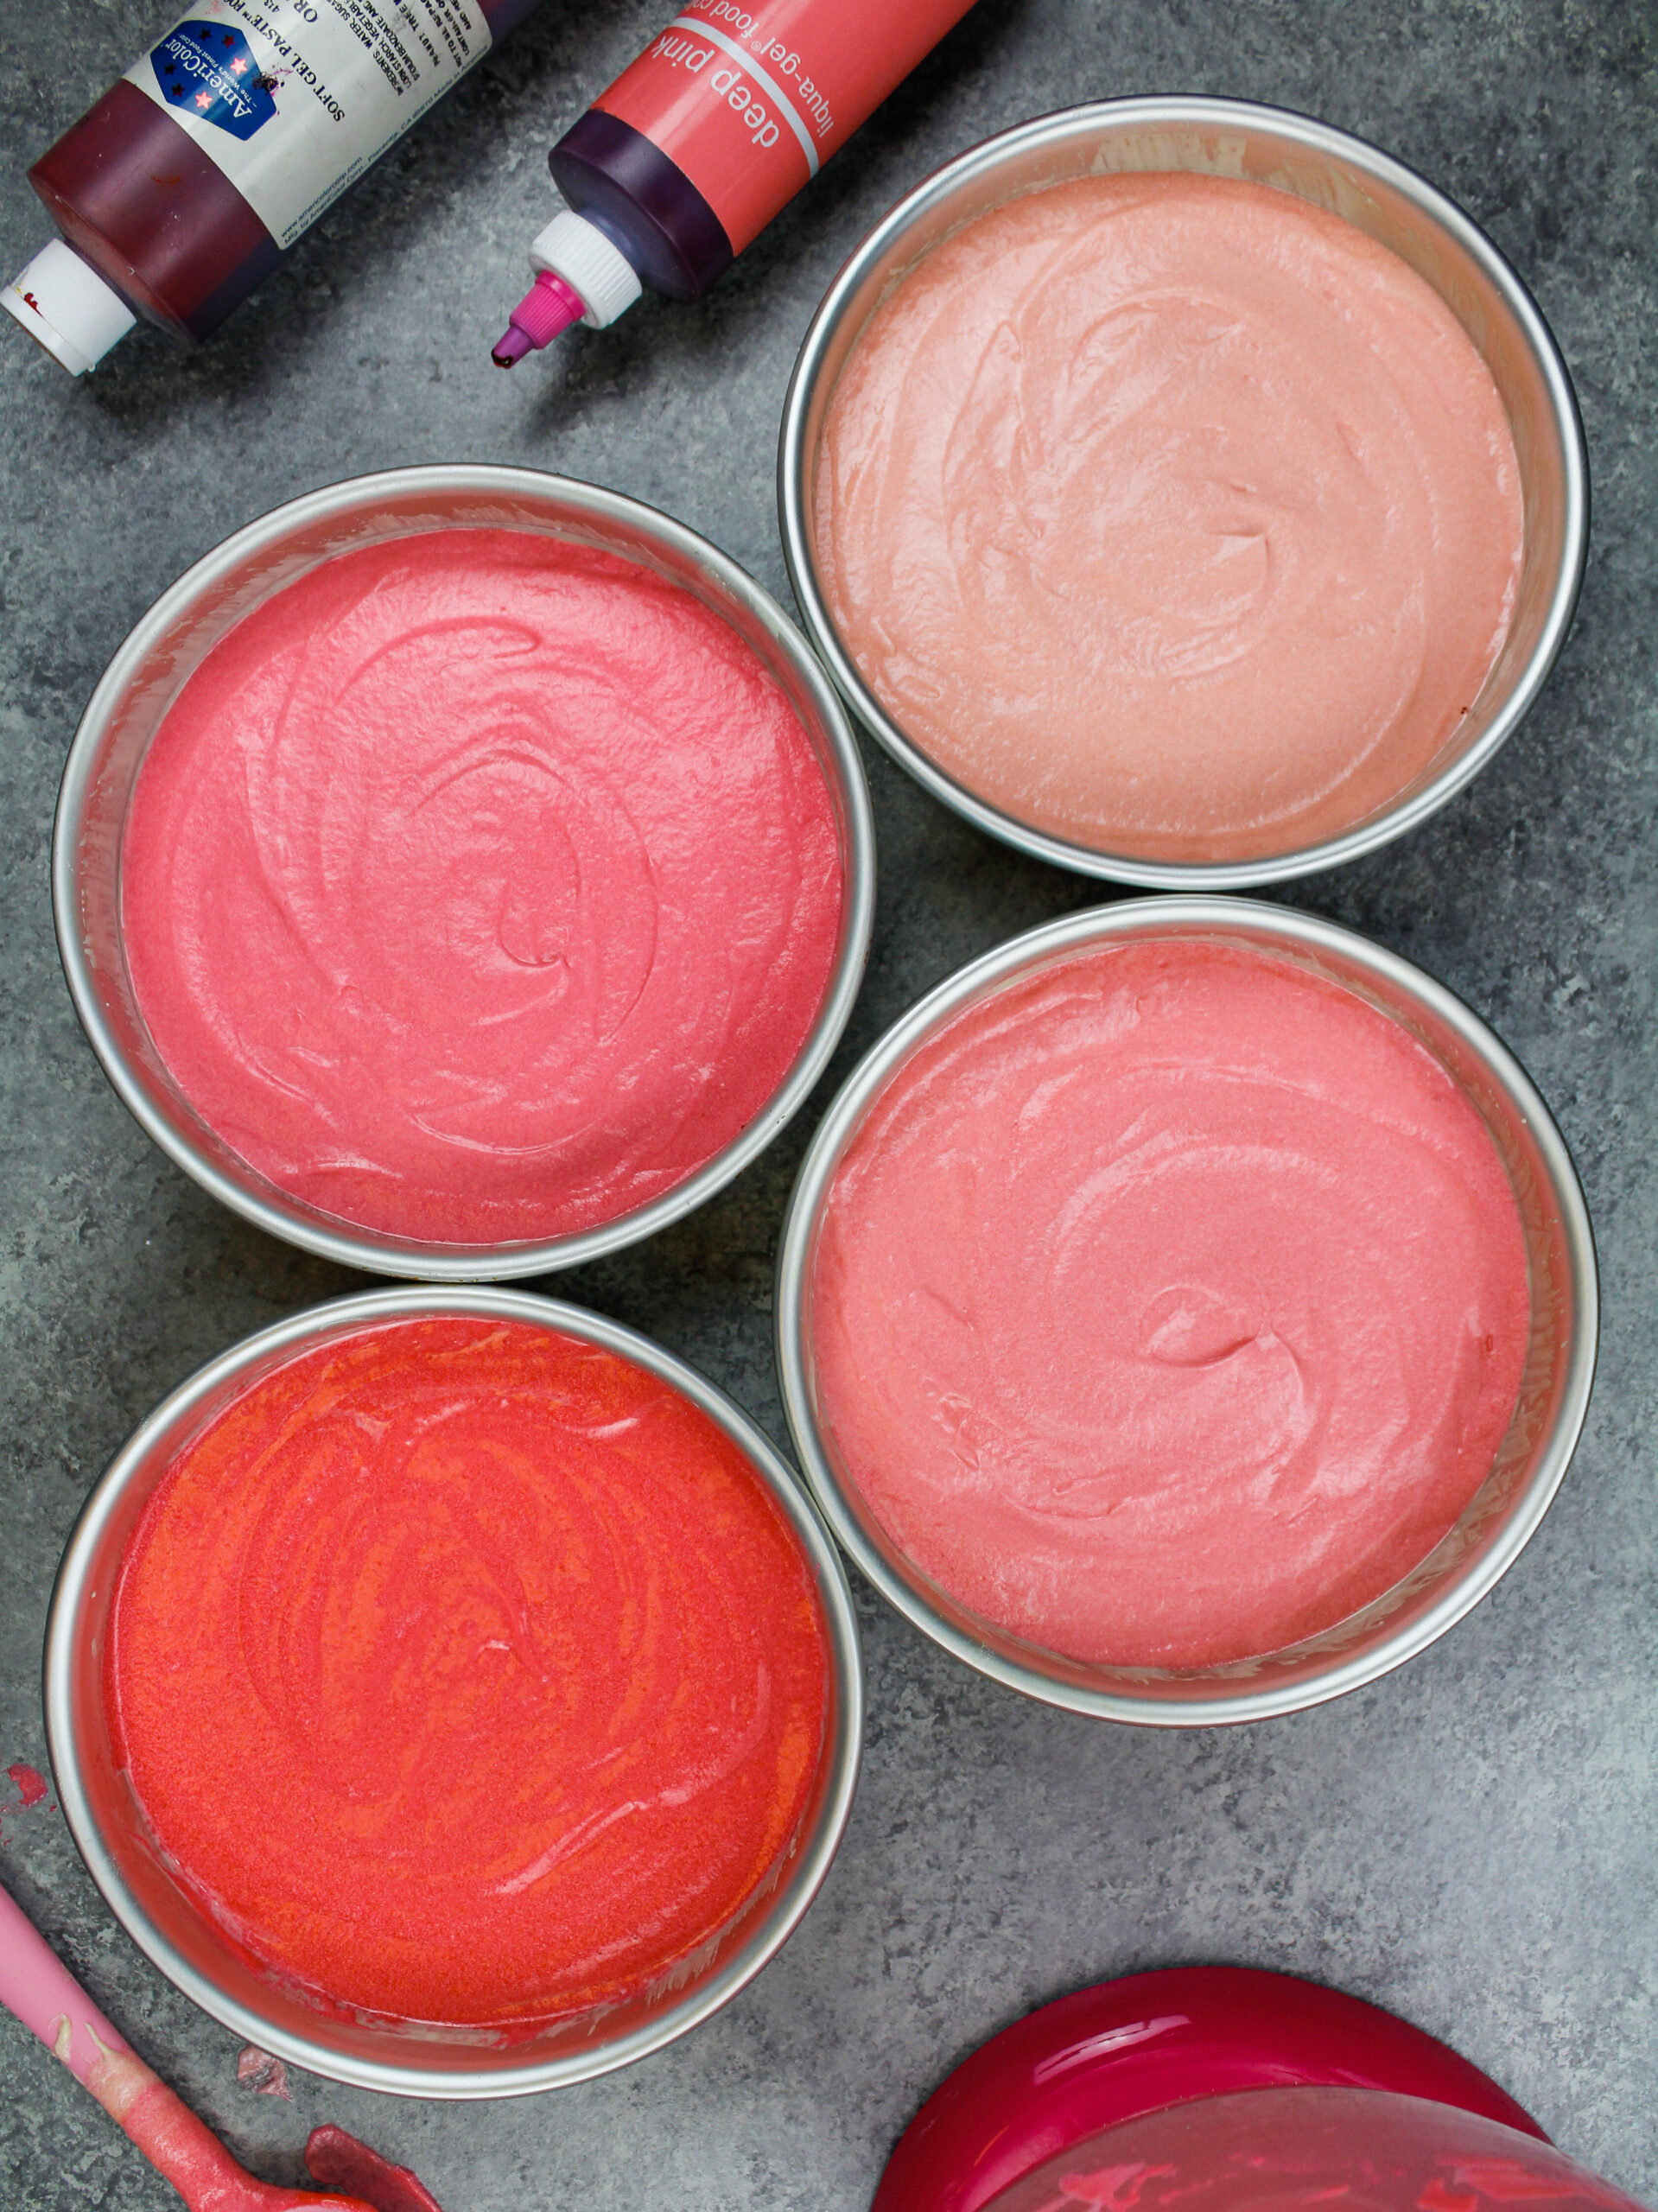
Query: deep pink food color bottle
{"points": [[181, 188], [732, 107]]}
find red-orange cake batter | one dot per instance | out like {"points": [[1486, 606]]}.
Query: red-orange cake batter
{"points": [[467, 1673]]}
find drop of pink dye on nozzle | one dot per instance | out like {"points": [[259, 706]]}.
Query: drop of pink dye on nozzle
{"points": [[551, 305]]}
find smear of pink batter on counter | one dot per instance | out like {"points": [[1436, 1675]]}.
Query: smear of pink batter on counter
{"points": [[266, 2076], [480, 887], [31, 1784], [1169, 1305], [1170, 514]]}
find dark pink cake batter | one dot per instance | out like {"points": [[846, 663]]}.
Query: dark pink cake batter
{"points": [[479, 887], [1169, 1305]]}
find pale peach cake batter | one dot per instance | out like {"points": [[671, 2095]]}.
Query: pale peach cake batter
{"points": [[1171, 515]]}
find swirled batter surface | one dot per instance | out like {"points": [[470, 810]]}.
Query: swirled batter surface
{"points": [[467, 1673], [480, 887], [1170, 514], [1169, 1307]]}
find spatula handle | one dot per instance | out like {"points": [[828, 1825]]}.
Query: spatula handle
{"points": [[40, 1989]]}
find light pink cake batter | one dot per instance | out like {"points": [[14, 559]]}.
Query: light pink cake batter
{"points": [[1171, 515], [480, 887], [1169, 1306]]}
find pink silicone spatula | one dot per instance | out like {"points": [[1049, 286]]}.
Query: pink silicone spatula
{"points": [[37, 1985]]}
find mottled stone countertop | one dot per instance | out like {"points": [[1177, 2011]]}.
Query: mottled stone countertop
{"points": [[1471, 1840]]}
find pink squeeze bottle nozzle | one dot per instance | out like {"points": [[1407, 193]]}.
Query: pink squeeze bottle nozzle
{"points": [[547, 307], [701, 140], [580, 276]]}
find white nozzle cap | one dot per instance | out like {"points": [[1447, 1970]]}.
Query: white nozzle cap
{"points": [[579, 252], [63, 301]]}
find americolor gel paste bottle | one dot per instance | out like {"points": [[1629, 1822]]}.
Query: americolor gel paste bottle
{"points": [[182, 187], [691, 152]]}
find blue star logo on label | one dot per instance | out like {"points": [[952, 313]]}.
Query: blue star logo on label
{"points": [[210, 72]]}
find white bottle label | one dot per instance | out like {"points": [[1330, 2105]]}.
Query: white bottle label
{"points": [[293, 99]]}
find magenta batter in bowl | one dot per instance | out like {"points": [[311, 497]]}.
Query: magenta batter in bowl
{"points": [[479, 886], [1169, 1305]]}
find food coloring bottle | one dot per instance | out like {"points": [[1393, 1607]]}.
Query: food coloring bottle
{"points": [[694, 148], [182, 188]]}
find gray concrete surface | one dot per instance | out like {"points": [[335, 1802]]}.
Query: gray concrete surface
{"points": [[1470, 1841]]}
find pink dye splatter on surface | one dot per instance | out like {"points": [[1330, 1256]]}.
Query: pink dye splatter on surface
{"points": [[30, 1785], [266, 2076]]}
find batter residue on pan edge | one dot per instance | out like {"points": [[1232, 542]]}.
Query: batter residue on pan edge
{"points": [[467, 1673], [1169, 1306], [1170, 515], [478, 887]]}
